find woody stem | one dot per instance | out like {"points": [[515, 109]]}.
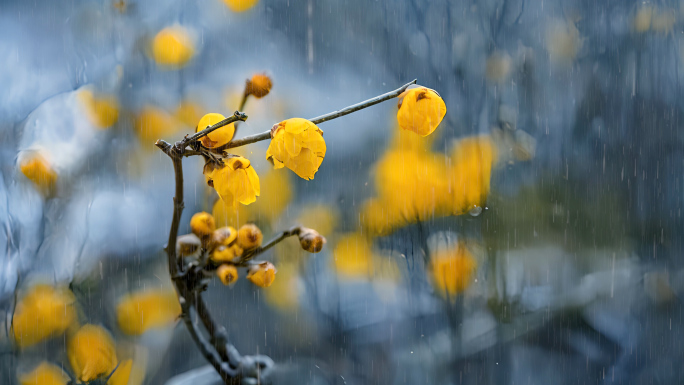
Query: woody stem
{"points": [[329, 116]]}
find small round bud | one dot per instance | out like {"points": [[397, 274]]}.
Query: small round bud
{"points": [[226, 253], [258, 86], [249, 236], [187, 245], [262, 274], [202, 224], [223, 236], [311, 240], [227, 273]]}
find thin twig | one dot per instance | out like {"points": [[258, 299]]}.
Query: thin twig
{"points": [[249, 255], [329, 116], [237, 116]]}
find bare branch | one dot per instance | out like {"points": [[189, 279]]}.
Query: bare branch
{"points": [[251, 254], [329, 116]]}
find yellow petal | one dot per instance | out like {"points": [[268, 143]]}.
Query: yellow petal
{"points": [[353, 256], [218, 137], [136, 313], [122, 373], [38, 170], [452, 271], [421, 111], [91, 352], [42, 313]]}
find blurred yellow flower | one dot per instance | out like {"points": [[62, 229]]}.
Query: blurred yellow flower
{"points": [[498, 67], [258, 86], [452, 271], [413, 185], [421, 110], [38, 170], [218, 137], [202, 224], [101, 110], [227, 273], [240, 5], [353, 256], [91, 352], [226, 253], [189, 113], [225, 214], [298, 145], [379, 218], [320, 217], [249, 236], [43, 312], [45, 374], [235, 181], [471, 171], [138, 312], [153, 123], [563, 41], [642, 19], [262, 274], [172, 47]]}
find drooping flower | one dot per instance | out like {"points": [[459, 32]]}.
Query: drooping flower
{"points": [[42, 313], [452, 271], [101, 110], [262, 274], [235, 181], [421, 110], [172, 47], [92, 353], [38, 170], [258, 86], [240, 5], [249, 236], [138, 312], [298, 145], [218, 137], [227, 273], [202, 224], [45, 374]]}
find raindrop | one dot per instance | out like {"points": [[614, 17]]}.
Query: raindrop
{"points": [[475, 211]]}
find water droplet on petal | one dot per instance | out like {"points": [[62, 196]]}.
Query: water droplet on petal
{"points": [[475, 211]]}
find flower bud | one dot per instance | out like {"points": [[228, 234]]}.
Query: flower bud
{"points": [[187, 245], [311, 240], [249, 236], [227, 273], [226, 253], [223, 236], [258, 86], [262, 274], [202, 224]]}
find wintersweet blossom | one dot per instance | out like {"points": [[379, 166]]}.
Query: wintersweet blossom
{"points": [[298, 145], [421, 110]]}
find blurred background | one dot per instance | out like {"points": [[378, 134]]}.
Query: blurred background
{"points": [[563, 124]]}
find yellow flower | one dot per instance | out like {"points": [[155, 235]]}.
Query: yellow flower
{"points": [[642, 19], [153, 123], [227, 273], [91, 352], [472, 160], [172, 47], [249, 237], [298, 145], [101, 110], [452, 271], [379, 218], [412, 186], [353, 256], [188, 112], [240, 5], [45, 374], [202, 224], [136, 313], [225, 246], [38, 170], [42, 313], [258, 86], [235, 181], [421, 110], [218, 137], [262, 274]]}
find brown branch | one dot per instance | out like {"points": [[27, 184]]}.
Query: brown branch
{"points": [[329, 116], [251, 254], [237, 116]]}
